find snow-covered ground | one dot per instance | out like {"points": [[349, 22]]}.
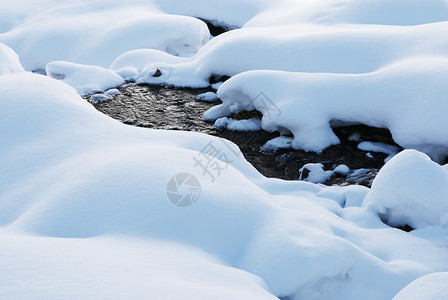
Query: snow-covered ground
{"points": [[91, 208]]}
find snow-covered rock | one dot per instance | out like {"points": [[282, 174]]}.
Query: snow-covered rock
{"points": [[84, 78], [410, 190], [208, 96], [281, 142], [316, 174], [252, 124]]}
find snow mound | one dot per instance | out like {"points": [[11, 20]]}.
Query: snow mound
{"points": [[301, 48], [430, 287], [408, 98], [96, 32], [9, 61], [84, 78], [410, 190]]}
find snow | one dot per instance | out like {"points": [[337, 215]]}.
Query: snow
{"points": [[430, 287], [89, 269], [208, 96], [397, 12], [95, 32], [317, 174], [84, 207], [281, 142], [252, 124], [69, 186], [300, 48], [9, 61], [307, 103], [390, 150], [106, 96], [342, 169], [410, 190], [84, 78], [130, 64]]}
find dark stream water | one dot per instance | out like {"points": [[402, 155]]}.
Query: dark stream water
{"points": [[166, 108]]}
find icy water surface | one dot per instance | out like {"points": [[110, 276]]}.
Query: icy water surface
{"points": [[176, 109]]}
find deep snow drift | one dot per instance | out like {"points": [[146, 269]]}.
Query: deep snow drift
{"points": [[86, 208]]}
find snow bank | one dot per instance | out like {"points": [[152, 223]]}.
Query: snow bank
{"points": [[84, 78], [9, 61], [430, 287], [96, 32], [300, 48], [410, 190], [408, 98]]}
